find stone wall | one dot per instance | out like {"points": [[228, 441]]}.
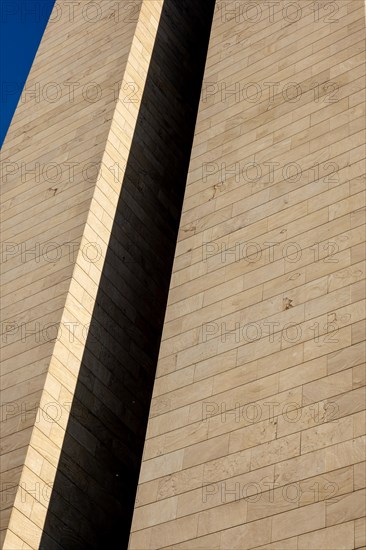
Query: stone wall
{"points": [[256, 430], [83, 312], [72, 127]]}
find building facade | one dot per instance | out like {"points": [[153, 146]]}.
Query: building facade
{"points": [[183, 279]]}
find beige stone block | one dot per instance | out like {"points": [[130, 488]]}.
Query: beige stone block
{"points": [[358, 252], [339, 536], [140, 539], [314, 270], [358, 291], [208, 542], [225, 491], [177, 439], [228, 466], [180, 482], [288, 544], [24, 528], [251, 436], [333, 384], [173, 532], [358, 376], [10, 480], [346, 276], [235, 377], [328, 345], [161, 466], [276, 361], [360, 532], [359, 470], [19, 422], [324, 487], [347, 205], [222, 517], [247, 536], [13, 459], [154, 514], [184, 307], [195, 354], [181, 397], [345, 358], [5, 516], [146, 492], [163, 423], [358, 332], [173, 381], [292, 470], [295, 418], [258, 349], [336, 299], [309, 291], [346, 508], [13, 542], [215, 365], [327, 434], [359, 424], [347, 403], [284, 283], [18, 393], [305, 372], [228, 403], [254, 412], [46, 447], [269, 503], [275, 451], [166, 365], [205, 451], [31, 503], [302, 520], [345, 453]]}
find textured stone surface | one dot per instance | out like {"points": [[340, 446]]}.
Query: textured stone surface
{"points": [[59, 219], [256, 419], [256, 432]]}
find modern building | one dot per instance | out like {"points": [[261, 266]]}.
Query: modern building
{"points": [[183, 279]]}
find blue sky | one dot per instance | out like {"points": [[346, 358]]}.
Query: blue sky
{"points": [[22, 24]]}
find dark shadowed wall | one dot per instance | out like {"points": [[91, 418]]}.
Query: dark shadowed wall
{"points": [[93, 496]]}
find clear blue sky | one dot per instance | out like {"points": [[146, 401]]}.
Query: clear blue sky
{"points": [[22, 24]]}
